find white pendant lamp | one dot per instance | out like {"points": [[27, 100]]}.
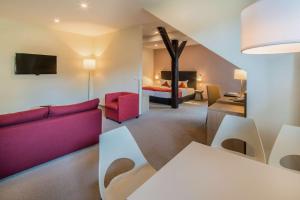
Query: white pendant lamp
{"points": [[271, 27]]}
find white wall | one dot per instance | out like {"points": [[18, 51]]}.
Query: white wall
{"points": [[119, 62], [271, 80], [19, 92], [119, 65], [148, 66]]}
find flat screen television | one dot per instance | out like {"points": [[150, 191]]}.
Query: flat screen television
{"points": [[35, 64]]}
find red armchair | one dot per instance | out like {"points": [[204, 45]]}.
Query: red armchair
{"points": [[121, 106]]}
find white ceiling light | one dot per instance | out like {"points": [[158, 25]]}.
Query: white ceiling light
{"points": [[83, 5], [156, 45], [56, 20], [270, 27]]}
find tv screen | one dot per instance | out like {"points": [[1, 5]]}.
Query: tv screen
{"points": [[35, 64]]}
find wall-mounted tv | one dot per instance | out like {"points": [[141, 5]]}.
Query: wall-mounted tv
{"points": [[35, 64]]}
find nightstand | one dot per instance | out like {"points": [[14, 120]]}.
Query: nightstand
{"points": [[199, 95]]}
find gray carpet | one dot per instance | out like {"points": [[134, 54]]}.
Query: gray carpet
{"points": [[161, 133]]}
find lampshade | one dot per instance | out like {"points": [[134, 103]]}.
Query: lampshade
{"points": [[89, 64], [240, 74], [199, 78], [156, 76], [270, 27]]}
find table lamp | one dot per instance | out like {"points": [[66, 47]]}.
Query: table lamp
{"points": [[271, 27], [199, 78], [241, 75], [90, 65]]}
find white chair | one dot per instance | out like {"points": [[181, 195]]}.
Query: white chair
{"points": [[117, 144], [234, 127], [286, 149]]}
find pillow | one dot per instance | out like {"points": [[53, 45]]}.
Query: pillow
{"points": [[22, 117], [55, 111], [165, 83], [183, 84]]}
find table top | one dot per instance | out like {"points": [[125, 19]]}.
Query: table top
{"points": [[228, 108], [200, 172], [230, 100]]}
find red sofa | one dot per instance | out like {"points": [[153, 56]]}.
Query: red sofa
{"points": [[121, 106], [34, 137]]}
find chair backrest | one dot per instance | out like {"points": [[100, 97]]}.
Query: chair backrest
{"points": [[213, 94], [234, 127], [286, 144], [114, 145]]}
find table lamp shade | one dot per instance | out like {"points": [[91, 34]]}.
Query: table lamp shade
{"points": [[240, 74], [270, 27], [89, 64]]}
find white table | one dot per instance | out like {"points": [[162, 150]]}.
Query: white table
{"points": [[200, 172]]}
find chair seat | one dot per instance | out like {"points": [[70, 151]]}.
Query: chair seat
{"points": [[124, 185], [113, 105]]}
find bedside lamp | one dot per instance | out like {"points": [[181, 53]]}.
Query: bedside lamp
{"points": [[90, 65], [199, 78], [156, 77], [241, 75], [271, 27]]}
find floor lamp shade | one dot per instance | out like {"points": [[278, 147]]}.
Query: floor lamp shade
{"points": [[89, 64], [271, 27]]}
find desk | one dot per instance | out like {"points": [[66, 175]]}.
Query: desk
{"points": [[200, 172], [215, 115], [230, 100]]}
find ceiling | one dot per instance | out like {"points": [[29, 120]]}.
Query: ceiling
{"points": [[153, 40], [101, 16]]}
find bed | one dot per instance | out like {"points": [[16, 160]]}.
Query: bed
{"points": [[163, 95]]}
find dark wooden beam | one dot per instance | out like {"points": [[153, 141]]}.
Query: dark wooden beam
{"points": [[181, 47], [166, 41], [175, 51], [175, 75]]}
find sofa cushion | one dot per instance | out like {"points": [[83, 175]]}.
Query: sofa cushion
{"points": [[55, 111], [112, 105], [22, 117]]}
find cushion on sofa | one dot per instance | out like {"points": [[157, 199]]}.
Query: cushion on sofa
{"points": [[24, 116], [55, 111]]}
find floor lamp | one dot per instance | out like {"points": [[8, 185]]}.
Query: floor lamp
{"points": [[90, 65]]}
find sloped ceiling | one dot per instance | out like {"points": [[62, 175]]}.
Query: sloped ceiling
{"points": [[101, 16]]}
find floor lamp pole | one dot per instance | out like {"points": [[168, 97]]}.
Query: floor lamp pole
{"points": [[89, 84], [241, 91]]}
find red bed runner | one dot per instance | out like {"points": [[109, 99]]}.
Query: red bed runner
{"points": [[161, 89]]}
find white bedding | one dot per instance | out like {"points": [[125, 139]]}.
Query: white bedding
{"points": [[185, 92]]}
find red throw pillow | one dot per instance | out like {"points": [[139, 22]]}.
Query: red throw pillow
{"points": [[165, 84], [182, 84], [22, 117], [74, 108]]}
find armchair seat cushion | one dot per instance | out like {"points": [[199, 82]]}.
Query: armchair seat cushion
{"points": [[113, 105]]}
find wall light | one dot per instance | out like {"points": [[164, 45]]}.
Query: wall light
{"points": [[56, 20], [83, 5]]}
